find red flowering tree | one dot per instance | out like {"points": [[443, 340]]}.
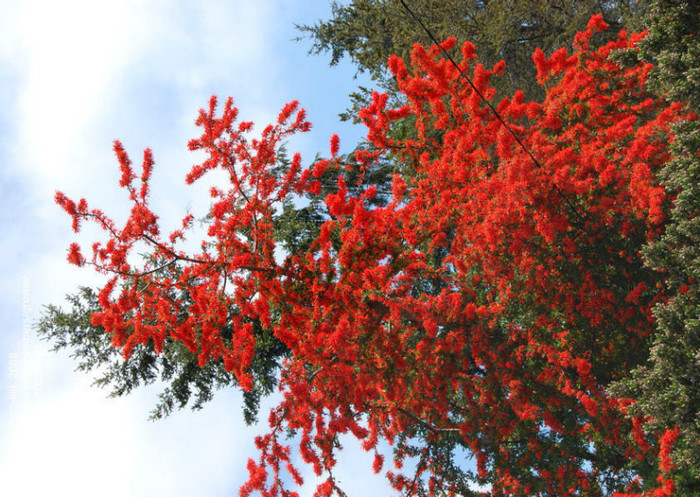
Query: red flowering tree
{"points": [[482, 309]]}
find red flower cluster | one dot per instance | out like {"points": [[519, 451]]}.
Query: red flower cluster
{"points": [[486, 306]]}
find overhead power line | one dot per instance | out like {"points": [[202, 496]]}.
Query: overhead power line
{"points": [[485, 100], [468, 79]]}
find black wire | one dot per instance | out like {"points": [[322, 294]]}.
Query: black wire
{"points": [[495, 112], [476, 90]]}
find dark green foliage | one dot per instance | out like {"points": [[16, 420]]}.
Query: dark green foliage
{"points": [[668, 386], [674, 48], [368, 31], [92, 349], [177, 369], [297, 227]]}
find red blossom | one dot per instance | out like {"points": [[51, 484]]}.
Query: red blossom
{"points": [[74, 255], [490, 302]]}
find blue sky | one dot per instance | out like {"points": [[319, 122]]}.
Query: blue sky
{"points": [[75, 75]]}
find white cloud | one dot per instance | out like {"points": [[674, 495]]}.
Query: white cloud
{"points": [[74, 53], [65, 444]]}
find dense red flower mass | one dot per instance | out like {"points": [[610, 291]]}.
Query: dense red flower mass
{"points": [[486, 306]]}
